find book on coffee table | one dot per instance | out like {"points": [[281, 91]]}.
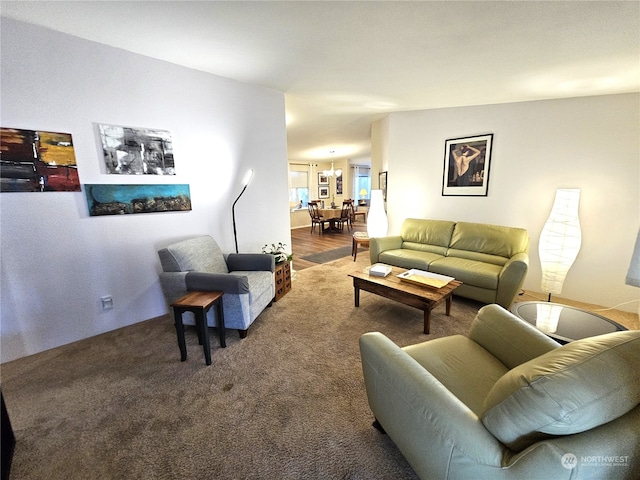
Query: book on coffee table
{"points": [[379, 270], [420, 277]]}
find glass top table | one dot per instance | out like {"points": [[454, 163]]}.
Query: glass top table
{"points": [[564, 323]]}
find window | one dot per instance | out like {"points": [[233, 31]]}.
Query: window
{"points": [[362, 181], [299, 187]]}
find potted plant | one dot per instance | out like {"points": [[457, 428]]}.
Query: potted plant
{"points": [[278, 251]]}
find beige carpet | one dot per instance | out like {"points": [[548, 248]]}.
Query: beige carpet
{"points": [[287, 402]]}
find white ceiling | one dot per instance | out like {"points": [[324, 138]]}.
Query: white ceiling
{"points": [[342, 64]]}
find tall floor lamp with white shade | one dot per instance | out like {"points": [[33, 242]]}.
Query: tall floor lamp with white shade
{"points": [[560, 240], [633, 274], [377, 222]]}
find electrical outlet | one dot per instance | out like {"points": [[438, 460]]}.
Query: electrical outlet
{"points": [[107, 302]]}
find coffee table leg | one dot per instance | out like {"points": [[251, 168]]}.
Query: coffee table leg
{"points": [[356, 292], [427, 320], [448, 304]]}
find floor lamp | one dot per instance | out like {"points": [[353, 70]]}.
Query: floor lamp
{"points": [[633, 274], [246, 180], [377, 223], [560, 240]]}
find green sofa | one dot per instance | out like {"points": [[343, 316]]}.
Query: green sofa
{"points": [[507, 402], [491, 261]]}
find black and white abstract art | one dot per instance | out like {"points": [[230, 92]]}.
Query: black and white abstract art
{"points": [[137, 151]]}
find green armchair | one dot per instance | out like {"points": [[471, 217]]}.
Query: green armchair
{"points": [[507, 402]]}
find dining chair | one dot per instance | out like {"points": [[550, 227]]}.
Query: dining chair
{"points": [[316, 218], [345, 215]]}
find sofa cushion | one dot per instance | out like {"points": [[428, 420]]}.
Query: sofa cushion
{"points": [[571, 389], [470, 272], [406, 258], [259, 282], [460, 364], [425, 247], [489, 239], [429, 232]]}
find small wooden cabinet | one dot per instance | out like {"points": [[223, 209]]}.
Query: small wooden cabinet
{"points": [[283, 279]]}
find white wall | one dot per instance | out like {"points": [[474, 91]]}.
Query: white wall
{"points": [[589, 143], [56, 260]]}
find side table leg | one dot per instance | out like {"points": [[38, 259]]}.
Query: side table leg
{"points": [[201, 322], [177, 314], [356, 292]]}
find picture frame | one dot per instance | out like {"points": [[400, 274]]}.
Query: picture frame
{"points": [[114, 199], [382, 183], [37, 161], [339, 184], [467, 161], [136, 151], [323, 179], [323, 191]]}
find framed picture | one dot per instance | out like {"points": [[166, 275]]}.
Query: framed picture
{"points": [[382, 180], [323, 191], [339, 184], [37, 161], [466, 166], [110, 199], [137, 151], [322, 179]]}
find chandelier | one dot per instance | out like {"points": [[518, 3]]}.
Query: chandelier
{"points": [[332, 172]]}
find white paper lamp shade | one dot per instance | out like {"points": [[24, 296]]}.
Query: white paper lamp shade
{"points": [[377, 223], [560, 240], [633, 275]]}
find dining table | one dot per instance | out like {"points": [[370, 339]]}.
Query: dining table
{"points": [[331, 215]]}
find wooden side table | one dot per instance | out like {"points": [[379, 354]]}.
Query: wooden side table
{"points": [[282, 275], [199, 304], [359, 238]]}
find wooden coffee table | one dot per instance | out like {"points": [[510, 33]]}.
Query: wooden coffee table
{"points": [[422, 297]]}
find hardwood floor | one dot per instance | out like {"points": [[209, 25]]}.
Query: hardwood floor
{"points": [[303, 242]]}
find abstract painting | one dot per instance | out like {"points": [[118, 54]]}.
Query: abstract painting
{"points": [[108, 199], [37, 161], [137, 151]]}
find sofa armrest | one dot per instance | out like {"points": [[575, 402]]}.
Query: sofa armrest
{"points": [[251, 262], [221, 282], [422, 417], [380, 244], [511, 278], [508, 338]]}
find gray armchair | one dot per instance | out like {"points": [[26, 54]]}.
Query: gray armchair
{"points": [[246, 279], [509, 402]]}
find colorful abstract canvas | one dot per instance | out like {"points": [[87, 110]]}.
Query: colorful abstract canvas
{"points": [[37, 161], [107, 199], [137, 151]]}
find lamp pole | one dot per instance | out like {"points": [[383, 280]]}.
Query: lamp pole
{"points": [[245, 182]]}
